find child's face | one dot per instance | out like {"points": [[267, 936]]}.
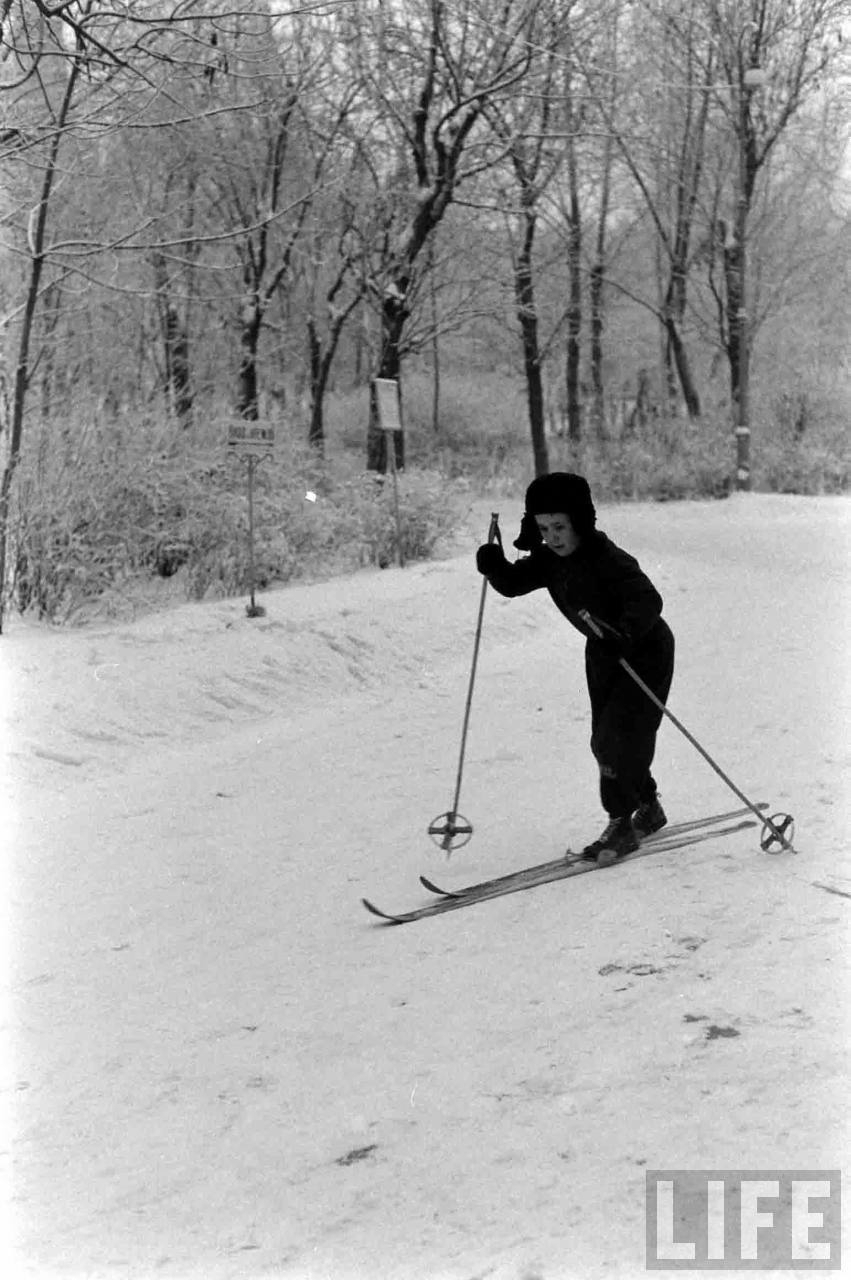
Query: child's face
{"points": [[557, 532]]}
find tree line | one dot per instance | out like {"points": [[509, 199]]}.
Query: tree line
{"points": [[208, 199]]}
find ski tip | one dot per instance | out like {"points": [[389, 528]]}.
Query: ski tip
{"points": [[382, 915], [434, 888]]}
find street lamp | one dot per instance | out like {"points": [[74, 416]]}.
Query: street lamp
{"points": [[752, 78]]}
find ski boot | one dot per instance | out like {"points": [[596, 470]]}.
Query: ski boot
{"points": [[649, 818], [618, 839]]}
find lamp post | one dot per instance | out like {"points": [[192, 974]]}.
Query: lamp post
{"points": [[751, 79]]}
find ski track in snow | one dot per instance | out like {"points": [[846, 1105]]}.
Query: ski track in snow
{"points": [[219, 1066]]}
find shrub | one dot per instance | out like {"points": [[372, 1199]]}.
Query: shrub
{"points": [[101, 510], [667, 460], [802, 440], [93, 521]]}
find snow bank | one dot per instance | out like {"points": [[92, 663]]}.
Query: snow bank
{"points": [[221, 1068]]}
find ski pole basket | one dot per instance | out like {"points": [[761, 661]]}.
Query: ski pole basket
{"points": [[451, 830]]}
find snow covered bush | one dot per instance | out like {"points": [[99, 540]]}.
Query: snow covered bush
{"points": [[97, 515]]}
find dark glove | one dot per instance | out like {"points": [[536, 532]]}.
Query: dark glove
{"points": [[489, 558], [530, 534]]}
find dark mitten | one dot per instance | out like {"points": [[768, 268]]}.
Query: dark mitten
{"points": [[530, 534], [489, 558]]}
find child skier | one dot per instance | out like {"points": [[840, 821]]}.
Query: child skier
{"points": [[583, 570]]}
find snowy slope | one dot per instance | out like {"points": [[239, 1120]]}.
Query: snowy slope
{"points": [[221, 1067]]}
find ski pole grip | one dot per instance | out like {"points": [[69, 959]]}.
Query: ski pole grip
{"points": [[591, 623], [493, 530]]}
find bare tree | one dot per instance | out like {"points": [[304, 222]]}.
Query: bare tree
{"points": [[523, 130], [336, 285], [431, 67], [77, 77], [258, 188], [59, 99], [609, 74], [772, 57], [574, 117], [665, 159]]}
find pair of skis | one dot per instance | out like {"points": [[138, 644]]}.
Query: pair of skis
{"points": [[677, 836]]}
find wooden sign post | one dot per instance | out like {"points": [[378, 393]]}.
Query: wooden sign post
{"points": [[387, 400], [251, 443]]}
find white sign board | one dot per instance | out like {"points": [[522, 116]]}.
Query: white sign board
{"points": [[387, 394], [251, 437]]}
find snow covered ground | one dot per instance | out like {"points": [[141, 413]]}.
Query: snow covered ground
{"points": [[220, 1066]]}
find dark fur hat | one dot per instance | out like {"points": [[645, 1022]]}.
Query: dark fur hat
{"points": [[564, 492]]}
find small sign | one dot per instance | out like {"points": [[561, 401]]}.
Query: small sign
{"points": [[251, 437], [387, 395]]}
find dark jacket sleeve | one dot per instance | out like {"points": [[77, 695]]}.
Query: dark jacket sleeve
{"points": [[518, 578], [639, 603]]}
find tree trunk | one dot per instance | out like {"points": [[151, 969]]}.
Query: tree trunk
{"points": [[320, 361], [177, 365], [435, 352], [316, 426], [247, 406], [597, 328], [681, 360], [733, 307], [175, 339], [535, 401], [393, 317], [51, 308], [666, 351], [574, 315], [598, 270], [674, 308], [528, 318], [22, 370]]}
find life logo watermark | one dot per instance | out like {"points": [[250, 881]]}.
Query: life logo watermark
{"points": [[753, 1219]]}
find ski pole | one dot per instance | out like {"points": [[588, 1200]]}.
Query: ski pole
{"points": [[450, 825], [774, 830]]}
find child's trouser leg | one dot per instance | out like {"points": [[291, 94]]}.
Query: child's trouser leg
{"points": [[625, 723]]}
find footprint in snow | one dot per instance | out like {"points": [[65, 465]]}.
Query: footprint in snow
{"points": [[356, 1154]]}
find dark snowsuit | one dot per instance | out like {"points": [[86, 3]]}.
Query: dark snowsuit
{"points": [[608, 582]]}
